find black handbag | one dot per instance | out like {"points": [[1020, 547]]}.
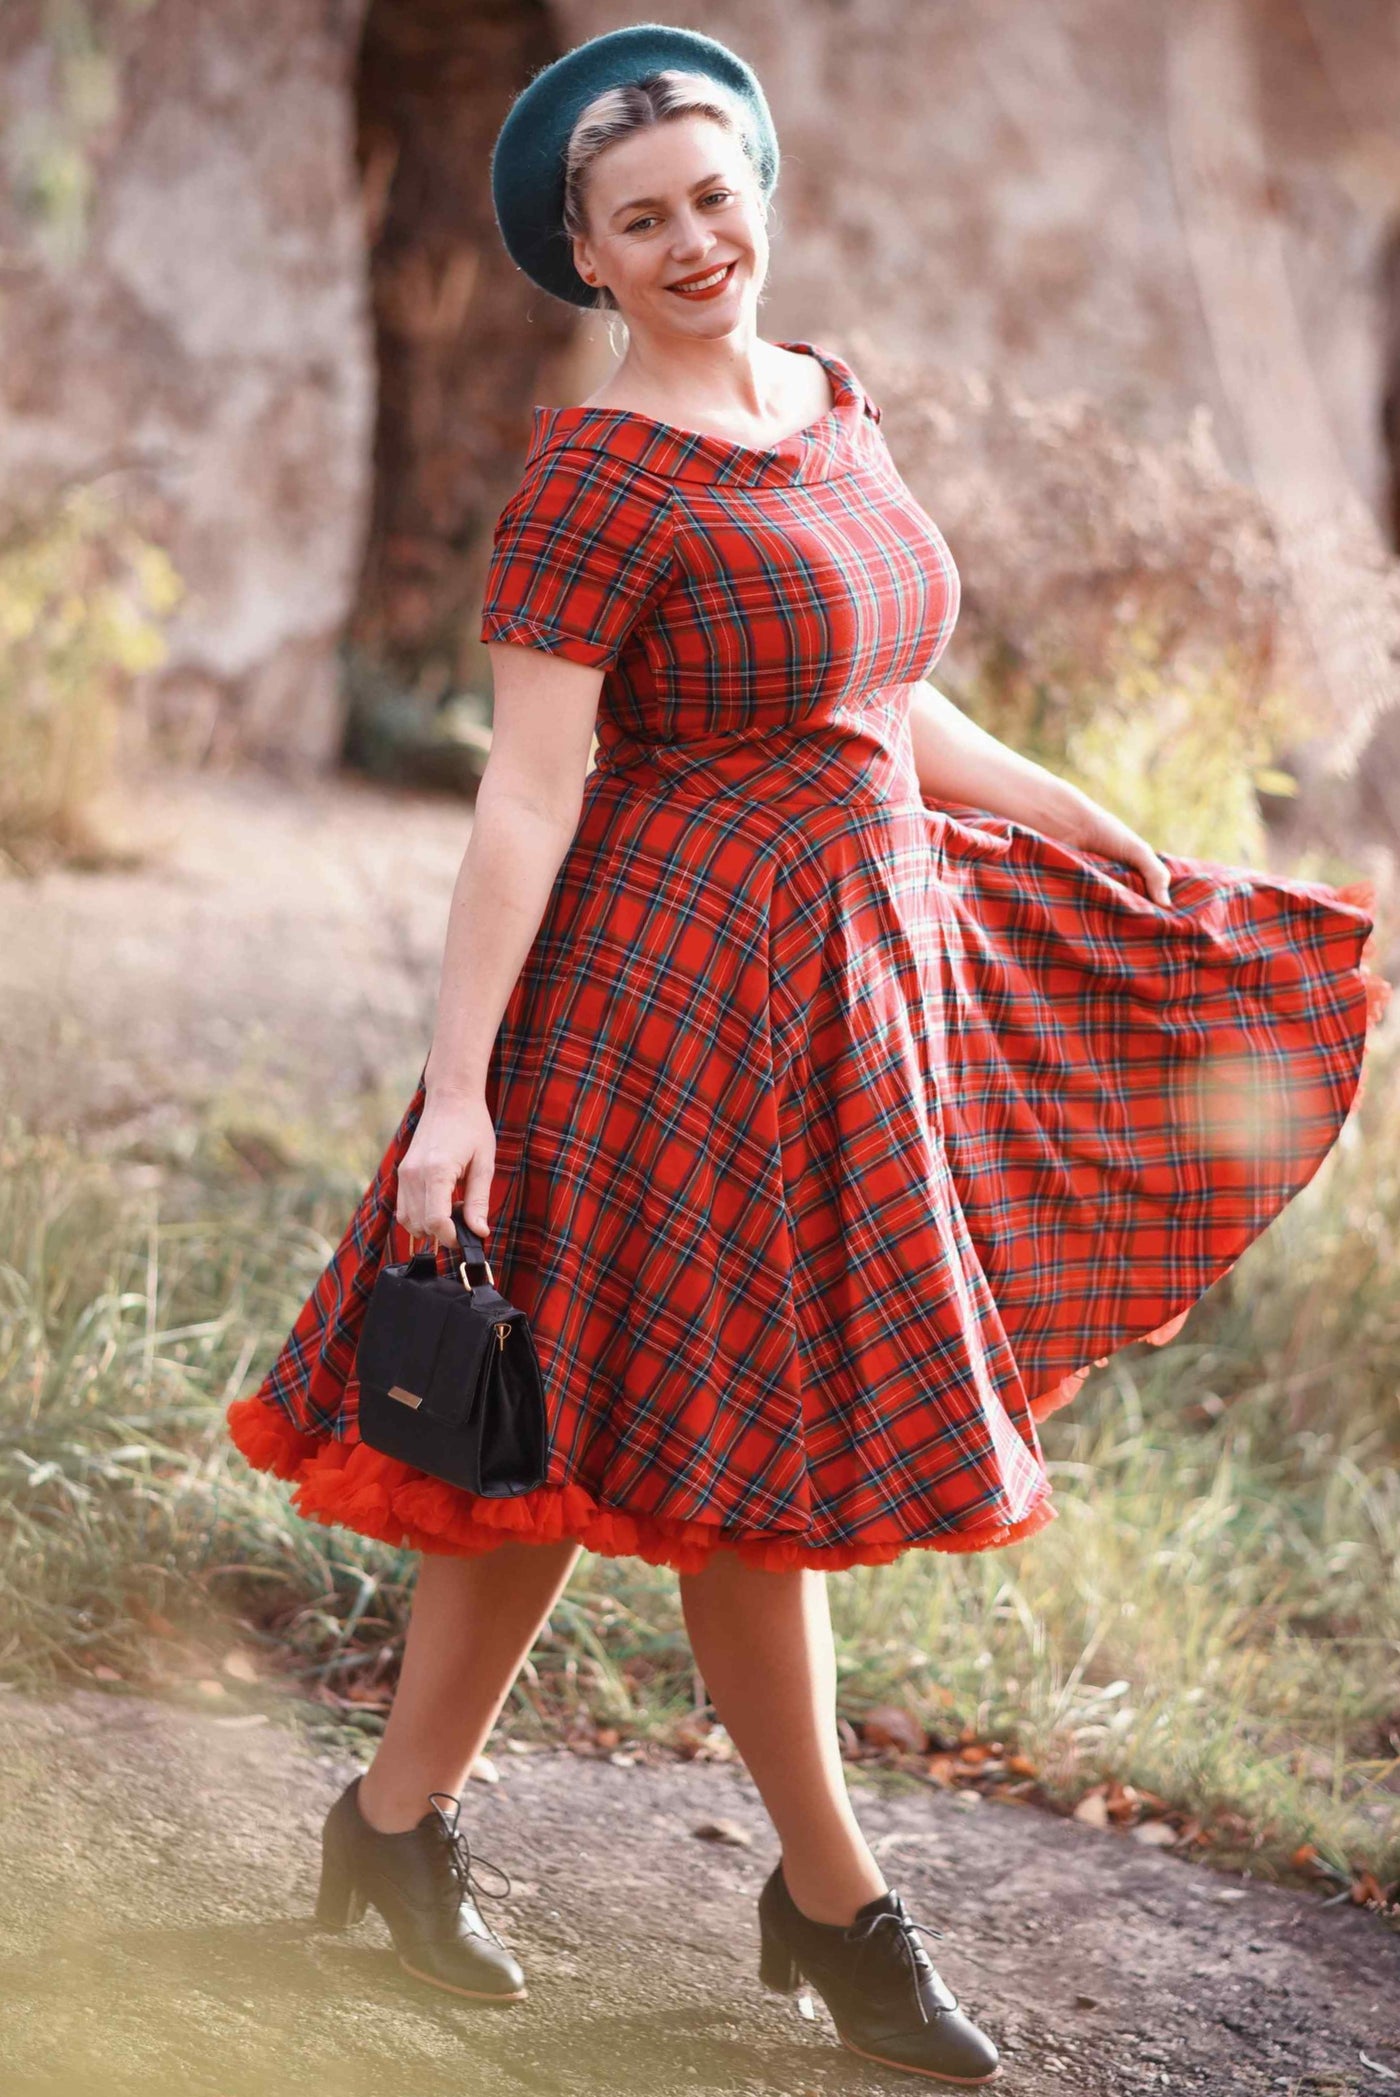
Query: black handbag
{"points": [[449, 1378]]}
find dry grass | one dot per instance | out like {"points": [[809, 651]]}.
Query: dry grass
{"points": [[1215, 1617]]}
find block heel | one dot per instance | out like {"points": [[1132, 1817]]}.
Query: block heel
{"points": [[339, 1901], [777, 1968]]}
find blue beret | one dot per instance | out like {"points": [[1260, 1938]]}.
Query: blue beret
{"points": [[527, 162]]}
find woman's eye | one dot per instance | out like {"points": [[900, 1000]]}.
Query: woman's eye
{"points": [[711, 196]]}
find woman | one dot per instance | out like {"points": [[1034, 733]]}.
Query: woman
{"points": [[829, 1073]]}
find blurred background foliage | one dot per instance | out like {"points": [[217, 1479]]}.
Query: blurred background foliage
{"points": [[83, 600]]}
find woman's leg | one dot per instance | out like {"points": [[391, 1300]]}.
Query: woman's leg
{"points": [[762, 1642], [472, 1622]]}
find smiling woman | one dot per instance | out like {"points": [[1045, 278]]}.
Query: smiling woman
{"points": [[831, 1128], [663, 212]]}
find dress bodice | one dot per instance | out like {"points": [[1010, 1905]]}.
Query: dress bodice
{"points": [[729, 592]]}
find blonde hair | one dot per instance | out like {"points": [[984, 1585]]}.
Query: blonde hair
{"points": [[658, 98]]}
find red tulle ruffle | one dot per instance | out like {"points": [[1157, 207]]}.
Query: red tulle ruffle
{"points": [[349, 1483]]}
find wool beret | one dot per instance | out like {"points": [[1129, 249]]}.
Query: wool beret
{"points": [[527, 162]]}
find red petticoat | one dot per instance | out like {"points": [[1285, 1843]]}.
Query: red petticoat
{"points": [[349, 1483]]}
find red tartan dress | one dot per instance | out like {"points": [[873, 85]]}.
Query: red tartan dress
{"points": [[839, 1131]]}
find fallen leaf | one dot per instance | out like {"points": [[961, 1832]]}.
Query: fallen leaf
{"points": [[238, 1664], [484, 1771], [888, 1725], [723, 1831], [701, 1739], [992, 1767], [1093, 1809], [1022, 1766], [1157, 1834]]}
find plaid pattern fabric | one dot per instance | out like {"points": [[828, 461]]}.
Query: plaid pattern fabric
{"points": [[838, 1131]]}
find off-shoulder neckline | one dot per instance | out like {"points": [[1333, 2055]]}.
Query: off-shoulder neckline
{"points": [[843, 388], [821, 450]]}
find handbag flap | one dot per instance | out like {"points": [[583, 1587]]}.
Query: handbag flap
{"points": [[462, 1362], [402, 1330]]}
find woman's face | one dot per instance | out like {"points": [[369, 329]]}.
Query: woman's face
{"points": [[666, 207]]}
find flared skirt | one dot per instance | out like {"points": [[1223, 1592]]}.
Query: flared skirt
{"points": [[835, 1144]]}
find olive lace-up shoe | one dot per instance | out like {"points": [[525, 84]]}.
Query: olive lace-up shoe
{"points": [[886, 1998], [422, 1882]]}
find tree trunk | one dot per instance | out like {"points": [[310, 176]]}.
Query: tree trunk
{"points": [[463, 340]]}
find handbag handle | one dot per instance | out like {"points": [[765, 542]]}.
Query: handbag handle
{"points": [[474, 1252], [474, 1261]]}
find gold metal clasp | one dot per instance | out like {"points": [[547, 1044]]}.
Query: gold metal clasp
{"points": [[462, 1270], [396, 1390], [502, 1328]]}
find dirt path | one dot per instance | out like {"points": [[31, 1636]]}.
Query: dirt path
{"points": [[291, 934], [159, 1869]]}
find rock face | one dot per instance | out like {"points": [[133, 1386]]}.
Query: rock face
{"points": [[1022, 193], [205, 333]]}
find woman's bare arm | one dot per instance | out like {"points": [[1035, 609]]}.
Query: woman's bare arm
{"points": [[527, 809], [958, 761]]}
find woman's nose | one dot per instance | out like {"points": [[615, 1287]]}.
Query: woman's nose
{"points": [[691, 236]]}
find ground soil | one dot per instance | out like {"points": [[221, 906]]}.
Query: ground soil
{"points": [[158, 1870], [291, 935]]}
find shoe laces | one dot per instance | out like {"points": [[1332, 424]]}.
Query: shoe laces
{"points": [[905, 1943], [460, 1858]]}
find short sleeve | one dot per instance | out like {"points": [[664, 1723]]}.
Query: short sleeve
{"points": [[579, 551]]}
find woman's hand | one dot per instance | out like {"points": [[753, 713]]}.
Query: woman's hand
{"points": [[454, 1137], [1093, 828]]}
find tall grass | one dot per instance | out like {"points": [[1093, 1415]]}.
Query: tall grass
{"points": [[1214, 1618]]}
